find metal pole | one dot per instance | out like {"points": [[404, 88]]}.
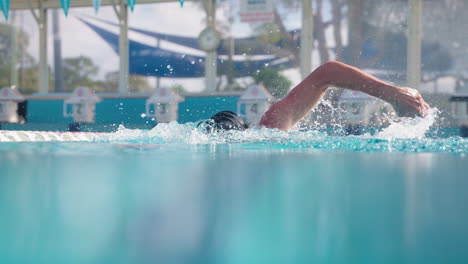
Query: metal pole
{"points": [[43, 67], [13, 50], [123, 48], [210, 61], [306, 38], [414, 44], [57, 52]]}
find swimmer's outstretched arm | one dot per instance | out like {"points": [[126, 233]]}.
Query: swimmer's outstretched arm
{"points": [[285, 113]]}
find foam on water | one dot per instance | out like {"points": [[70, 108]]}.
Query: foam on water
{"points": [[406, 135], [408, 127]]}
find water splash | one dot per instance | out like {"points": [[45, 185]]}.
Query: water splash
{"points": [[408, 127], [391, 139], [404, 136]]}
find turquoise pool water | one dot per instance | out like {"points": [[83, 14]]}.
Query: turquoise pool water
{"points": [[175, 195]]}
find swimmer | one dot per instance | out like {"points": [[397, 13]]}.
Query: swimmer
{"points": [[287, 112]]}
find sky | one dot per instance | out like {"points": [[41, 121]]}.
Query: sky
{"points": [[77, 39]]}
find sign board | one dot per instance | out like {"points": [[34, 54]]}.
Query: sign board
{"points": [[83, 102], [163, 105], [256, 101], [256, 11]]}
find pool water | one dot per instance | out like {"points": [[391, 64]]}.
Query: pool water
{"points": [[175, 195]]}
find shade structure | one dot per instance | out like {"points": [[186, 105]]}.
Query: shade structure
{"points": [[43, 5], [153, 61], [248, 45]]}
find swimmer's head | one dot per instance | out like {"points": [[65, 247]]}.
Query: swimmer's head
{"points": [[222, 121]]}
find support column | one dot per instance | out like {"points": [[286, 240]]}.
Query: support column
{"points": [[414, 44], [43, 67], [210, 60], [58, 76], [14, 51], [307, 38], [123, 47], [158, 80], [355, 31]]}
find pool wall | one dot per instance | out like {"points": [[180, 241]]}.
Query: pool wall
{"points": [[45, 112]]}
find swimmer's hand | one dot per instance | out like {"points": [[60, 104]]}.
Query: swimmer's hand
{"points": [[409, 102]]}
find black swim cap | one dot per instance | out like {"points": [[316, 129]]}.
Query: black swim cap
{"points": [[225, 120]]}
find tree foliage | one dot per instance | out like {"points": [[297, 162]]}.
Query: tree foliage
{"points": [[381, 41], [276, 83], [136, 83], [79, 71], [5, 42], [178, 88], [26, 65]]}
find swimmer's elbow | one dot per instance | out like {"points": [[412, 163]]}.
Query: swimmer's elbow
{"points": [[325, 74]]}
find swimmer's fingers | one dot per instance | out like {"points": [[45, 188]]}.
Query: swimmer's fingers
{"points": [[427, 108], [423, 109], [410, 103]]}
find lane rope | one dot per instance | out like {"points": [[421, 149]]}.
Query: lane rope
{"points": [[39, 136]]}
